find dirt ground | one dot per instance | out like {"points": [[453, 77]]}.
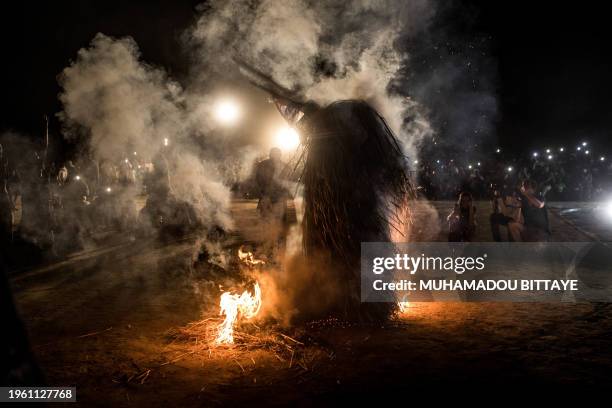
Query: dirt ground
{"points": [[103, 319]]}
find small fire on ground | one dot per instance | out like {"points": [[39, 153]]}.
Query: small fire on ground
{"points": [[237, 307]]}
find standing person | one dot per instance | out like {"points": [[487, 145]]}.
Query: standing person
{"points": [[533, 208], [461, 221], [506, 210], [272, 194]]}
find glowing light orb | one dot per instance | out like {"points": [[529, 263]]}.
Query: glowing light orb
{"points": [[227, 112], [287, 138]]}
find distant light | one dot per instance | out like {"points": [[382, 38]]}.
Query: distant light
{"points": [[287, 138], [438, 161], [562, 149], [126, 160], [78, 177], [602, 158], [579, 148], [165, 141], [108, 189], [227, 112], [586, 152], [470, 166], [547, 150], [550, 157], [535, 154], [135, 154], [498, 150], [509, 169], [478, 163], [584, 143], [416, 162]]}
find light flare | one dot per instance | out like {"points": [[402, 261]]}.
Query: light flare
{"points": [[287, 138]]}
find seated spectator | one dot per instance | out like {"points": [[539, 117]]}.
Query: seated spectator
{"points": [[461, 221]]}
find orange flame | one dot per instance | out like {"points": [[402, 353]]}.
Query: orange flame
{"points": [[235, 306], [249, 259], [403, 304]]}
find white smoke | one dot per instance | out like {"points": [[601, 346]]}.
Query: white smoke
{"points": [[295, 41], [114, 103]]}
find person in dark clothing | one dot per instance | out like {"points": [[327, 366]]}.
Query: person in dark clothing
{"points": [[461, 221], [272, 194], [535, 214]]}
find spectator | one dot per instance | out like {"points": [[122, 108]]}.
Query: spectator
{"points": [[535, 215], [506, 210], [461, 221]]}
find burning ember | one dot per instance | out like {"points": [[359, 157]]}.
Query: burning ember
{"points": [[248, 258], [236, 307]]}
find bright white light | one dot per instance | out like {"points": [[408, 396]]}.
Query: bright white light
{"points": [[579, 148], [78, 177], [602, 158], [478, 163], [416, 162], [287, 138], [509, 169], [584, 143], [470, 166], [108, 189], [535, 154], [135, 153], [438, 161], [165, 141], [561, 149], [547, 150], [586, 152], [227, 112], [550, 157], [127, 161], [608, 208], [498, 150]]}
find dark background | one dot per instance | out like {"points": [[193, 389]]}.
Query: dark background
{"points": [[552, 81]]}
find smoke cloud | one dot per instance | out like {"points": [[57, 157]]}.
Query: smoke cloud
{"points": [[325, 50], [115, 104]]}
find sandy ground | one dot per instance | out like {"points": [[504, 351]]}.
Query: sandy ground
{"points": [[102, 317]]}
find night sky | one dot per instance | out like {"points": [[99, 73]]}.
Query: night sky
{"points": [[553, 80]]}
